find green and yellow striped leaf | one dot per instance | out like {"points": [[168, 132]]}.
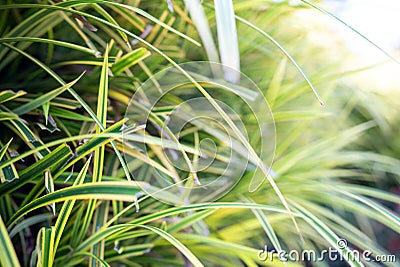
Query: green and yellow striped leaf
{"points": [[130, 59], [8, 257], [124, 191]]}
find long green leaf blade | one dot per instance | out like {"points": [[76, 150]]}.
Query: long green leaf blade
{"points": [[227, 39], [176, 243], [100, 215], [4, 149], [46, 41], [329, 236], [47, 246], [129, 60], [45, 98], [200, 21], [287, 54], [67, 209], [50, 161], [8, 257], [326, 12], [124, 191], [8, 95]]}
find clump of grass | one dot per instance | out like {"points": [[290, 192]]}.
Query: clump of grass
{"points": [[66, 195]]}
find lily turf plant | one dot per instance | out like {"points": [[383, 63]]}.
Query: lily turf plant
{"points": [[68, 197]]}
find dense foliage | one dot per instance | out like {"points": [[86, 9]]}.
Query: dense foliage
{"points": [[67, 198]]}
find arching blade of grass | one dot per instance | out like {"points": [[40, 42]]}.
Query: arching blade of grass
{"points": [[377, 207], [28, 136], [317, 149], [129, 59], [5, 116], [22, 29], [287, 54], [29, 222], [371, 192], [8, 95], [237, 89], [100, 235], [124, 191], [93, 62], [67, 114], [50, 161], [366, 207], [93, 257], [66, 209], [62, 102], [344, 228], [190, 220], [47, 41], [328, 235], [132, 19], [45, 98], [350, 27], [8, 257], [175, 242], [111, 19], [98, 139], [108, 230], [129, 251], [266, 226]]}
